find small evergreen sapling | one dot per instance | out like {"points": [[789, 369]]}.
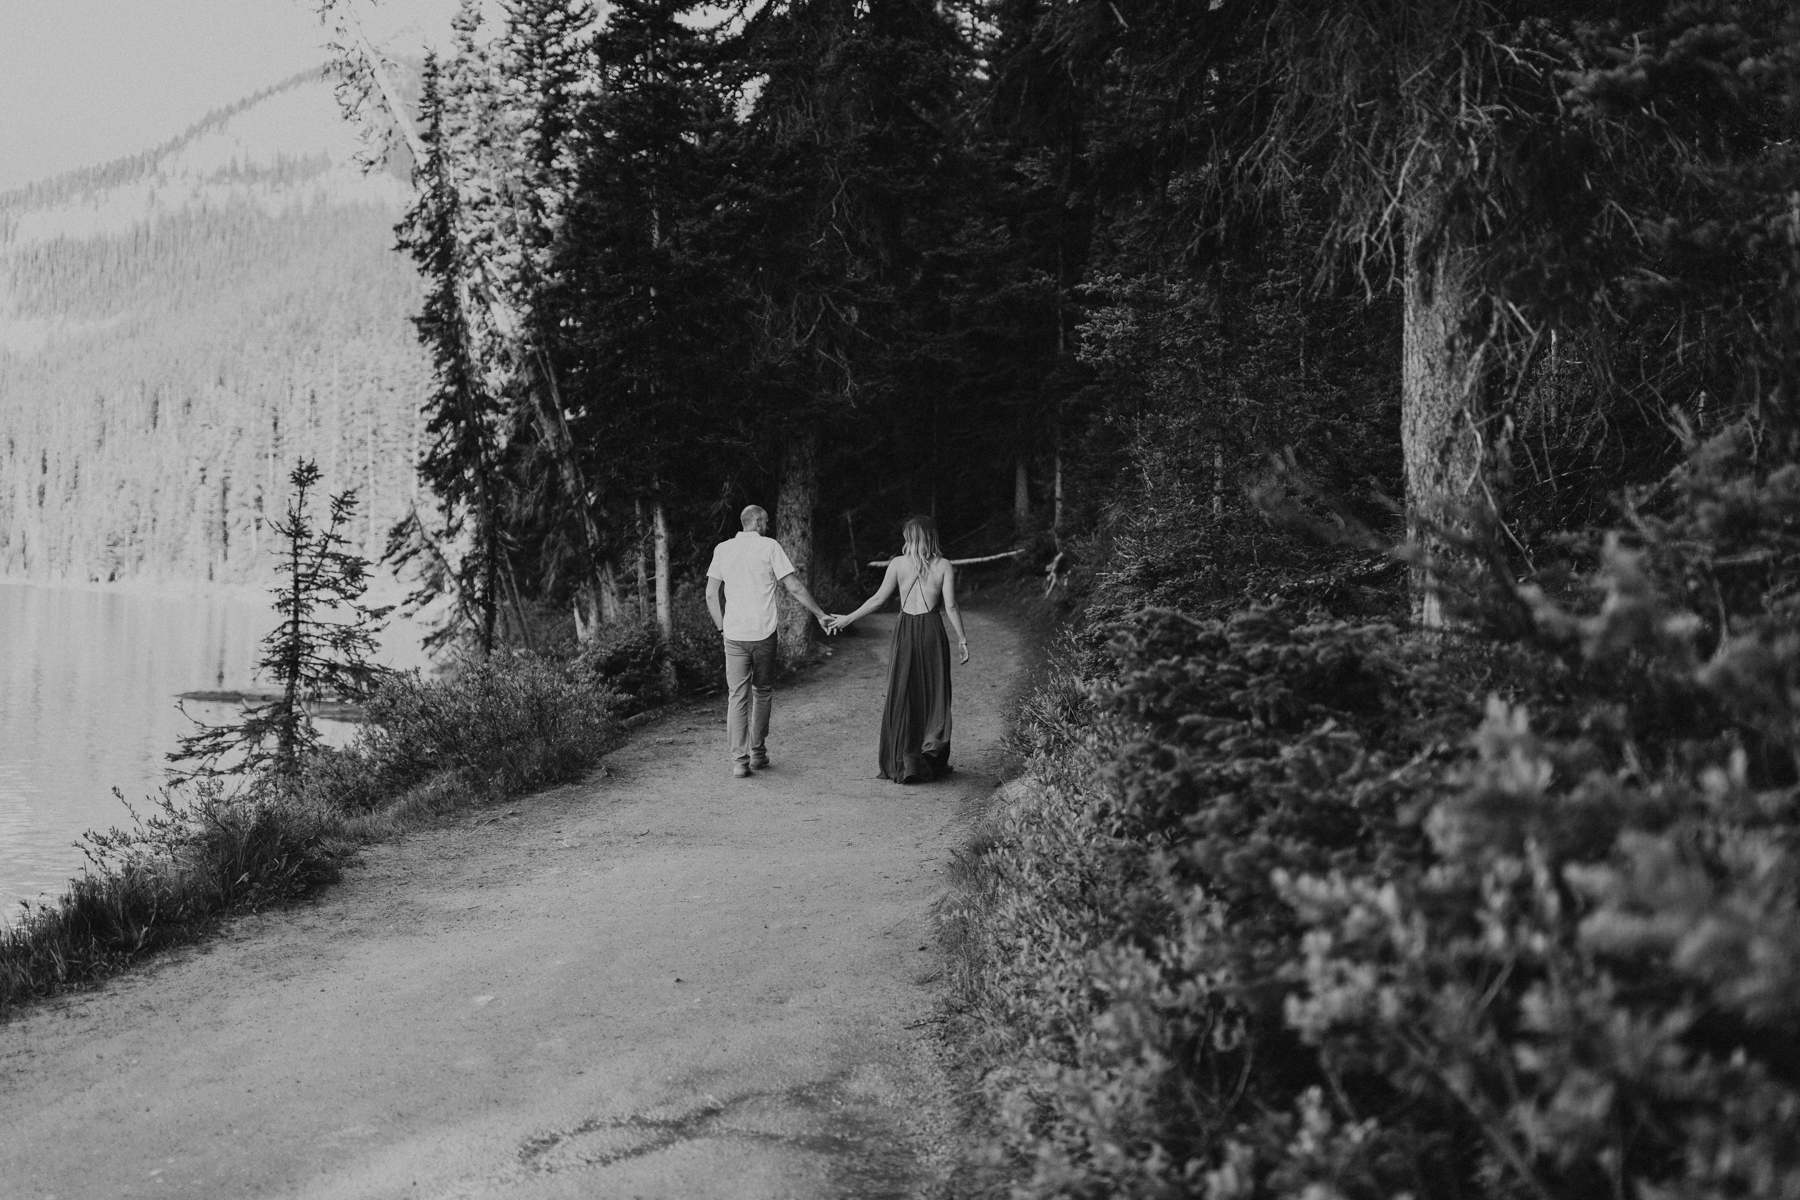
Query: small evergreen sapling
{"points": [[320, 649]]}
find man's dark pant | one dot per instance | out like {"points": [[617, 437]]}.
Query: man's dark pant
{"points": [[750, 680]]}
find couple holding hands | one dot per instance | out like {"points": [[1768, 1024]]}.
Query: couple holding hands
{"points": [[915, 721]]}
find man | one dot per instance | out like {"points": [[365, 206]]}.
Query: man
{"points": [[743, 574]]}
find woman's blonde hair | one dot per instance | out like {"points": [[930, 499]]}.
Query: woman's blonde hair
{"points": [[921, 536]]}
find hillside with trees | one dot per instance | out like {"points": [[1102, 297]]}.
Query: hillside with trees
{"points": [[178, 327]]}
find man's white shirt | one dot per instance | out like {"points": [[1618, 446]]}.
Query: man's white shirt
{"points": [[751, 567]]}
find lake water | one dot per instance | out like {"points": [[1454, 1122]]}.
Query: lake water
{"points": [[88, 681]]}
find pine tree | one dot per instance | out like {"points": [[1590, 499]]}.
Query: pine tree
{"points": [[1042, 104], [543, 61], [653, 331], [843, 155], [501, 125], [461, 464], [321, 649]]}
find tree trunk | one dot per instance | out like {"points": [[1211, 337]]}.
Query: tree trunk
{"points": [[612, 608], [287, 735], [665, 614], [1021, 494], [521, 620], [643, 562], [665, 619], [488, 602], [794, 530], [553, 429], [1442, 417]]}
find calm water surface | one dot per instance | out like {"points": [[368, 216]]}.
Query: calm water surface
{"points": [[88, 681]]}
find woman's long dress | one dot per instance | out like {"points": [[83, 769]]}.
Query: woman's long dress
{"points": [[915, 722]]}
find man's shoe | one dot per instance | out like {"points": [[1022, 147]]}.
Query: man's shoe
{"points": [[740, 770], [759, 761]]}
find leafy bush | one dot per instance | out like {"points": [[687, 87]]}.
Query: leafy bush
{"points": [[1123, 932], [1277, 924], [1598, 969], [1596, 974], [503, 726], [643, 669], [634, 660], [699, 666]]}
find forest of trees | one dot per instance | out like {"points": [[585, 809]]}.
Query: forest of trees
{"points": [[196, 345], [674, 269], [986, 259], [1411, 810], [1407, 805]]}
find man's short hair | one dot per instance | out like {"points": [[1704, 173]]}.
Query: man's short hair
{"points": [[752, 514]]}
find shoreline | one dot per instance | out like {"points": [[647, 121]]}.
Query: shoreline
{"points": [[161, 589], [383, 589], [91, 675]]}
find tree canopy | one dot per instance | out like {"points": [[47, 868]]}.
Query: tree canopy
{"points": [[1454, 261]]}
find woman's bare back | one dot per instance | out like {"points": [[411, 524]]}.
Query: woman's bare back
{"points": [[919, 591]]}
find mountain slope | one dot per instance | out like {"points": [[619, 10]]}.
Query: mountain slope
{"points": [[177, 327]]}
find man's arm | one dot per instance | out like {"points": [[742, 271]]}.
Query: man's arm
{"points": [[715, 601], [798, 591]]}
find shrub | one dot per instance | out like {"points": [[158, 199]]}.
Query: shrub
{"points": [[1123, 934], [1276, 924], [503, 726], [1599, 969], [695, 645], [639, 665], [634, 660], [1597, 975]]}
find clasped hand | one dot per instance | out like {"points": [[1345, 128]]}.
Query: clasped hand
{"points": [[833, 623]]}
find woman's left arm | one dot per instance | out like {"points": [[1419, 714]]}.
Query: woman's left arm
{"points": [[952, 614], [873, 602]]}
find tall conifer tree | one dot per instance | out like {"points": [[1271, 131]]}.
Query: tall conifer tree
{"points": [[652, 342], [849, 141], [460, 553]]}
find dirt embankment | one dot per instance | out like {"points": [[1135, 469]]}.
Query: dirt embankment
{"points": [[662, 982]]}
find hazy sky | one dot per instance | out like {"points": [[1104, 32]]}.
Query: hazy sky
{"points": [[84, 81]]}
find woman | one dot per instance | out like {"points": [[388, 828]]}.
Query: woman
{"points": [[915, 722]]}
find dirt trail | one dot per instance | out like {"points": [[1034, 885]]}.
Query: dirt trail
{"points": [[662, 982]]}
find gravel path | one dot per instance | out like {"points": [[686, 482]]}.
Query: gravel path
{"points": [[661, 982]]}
